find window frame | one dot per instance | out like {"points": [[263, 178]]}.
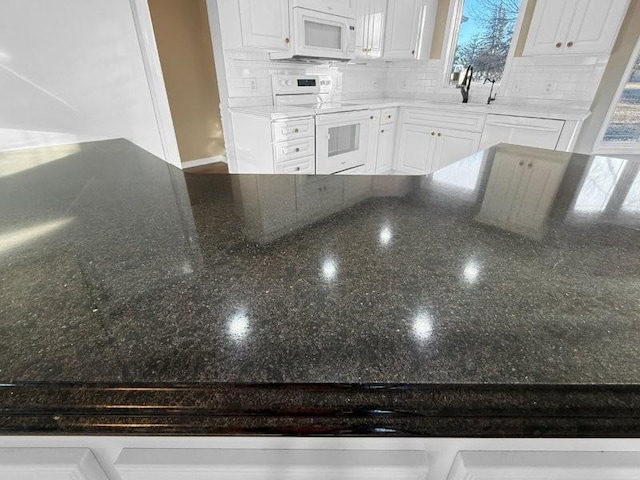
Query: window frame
{"points": [[450, 44], [629, 148]]}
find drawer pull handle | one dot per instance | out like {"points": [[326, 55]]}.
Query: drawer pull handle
{"points": [[297, 149], [570, 44], [558, 45], [297, 130]]}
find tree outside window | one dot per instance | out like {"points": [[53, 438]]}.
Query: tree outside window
{"points": [[484, 38]]}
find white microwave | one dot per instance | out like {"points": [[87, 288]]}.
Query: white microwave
{"points": [[322, 32]]}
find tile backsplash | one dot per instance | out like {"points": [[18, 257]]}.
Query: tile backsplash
{"points": [[535, 80]]}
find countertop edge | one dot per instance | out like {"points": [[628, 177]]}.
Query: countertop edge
{"points": [[474, 410]]}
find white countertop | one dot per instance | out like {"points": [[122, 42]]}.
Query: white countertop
{"points": [[536, 111]]}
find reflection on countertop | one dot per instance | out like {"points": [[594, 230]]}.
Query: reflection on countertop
{"points": [[513, 266]]}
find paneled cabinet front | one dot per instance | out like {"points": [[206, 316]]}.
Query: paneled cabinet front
{"points": [[403, 31], [265, 24], [370, 27], [575, 26]]}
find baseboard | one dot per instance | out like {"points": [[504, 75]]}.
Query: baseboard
{"points": [[204, 161]]}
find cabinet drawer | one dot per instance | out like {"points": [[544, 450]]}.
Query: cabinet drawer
{"points": [[285, 151], [305, 165], [388, 115], [443, 119], [292, 129]]}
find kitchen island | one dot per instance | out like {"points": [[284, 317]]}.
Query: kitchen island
{"points": [[498, 297]]}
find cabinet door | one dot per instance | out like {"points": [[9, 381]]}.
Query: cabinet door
{"points": [[49, 464], [265, 24], [416, 148], [404, 20], [386, 142], [362, 27], [454, 145], [550, 27], [595, 26], [504, 180], [535, 195], [372, 148], [377, 23]]}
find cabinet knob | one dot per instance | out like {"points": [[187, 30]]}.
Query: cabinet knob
{"points": [[371, 117], [570, 44], [413, 52], [433, 134], [558, 45], [297, 130], [297, 149], [521, 163], [439, 134], [381, 131], [530, 165], [297, 169], [287, 40], [389, 116]]}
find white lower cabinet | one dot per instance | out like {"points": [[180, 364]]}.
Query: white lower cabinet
{"points": [[454, 145], [425, 149], [529, 132], [521, 190], [49, 464], [205, 464], [546, 465], [416, 146], [386, 143]]}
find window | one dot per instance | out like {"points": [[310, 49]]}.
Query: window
{"points": [[484, 33], [624, 126]]}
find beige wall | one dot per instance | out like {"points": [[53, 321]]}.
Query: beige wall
{"points": [[620, 57], [186, 55]]}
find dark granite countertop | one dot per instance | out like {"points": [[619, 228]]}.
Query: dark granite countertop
{"points": [[497, 297]]}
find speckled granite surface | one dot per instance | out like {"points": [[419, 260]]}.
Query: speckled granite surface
{"points": [[348, 300]]}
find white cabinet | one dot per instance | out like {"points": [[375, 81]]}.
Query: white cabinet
{"points": [[521, 190], [49, 464], [416, 146], [575, 26], [425, 146], [372, 147], [386, 143], [546, 465], [370, 27], [403, 31], [454, 145], [530, 132], [201, 464], [265, 24]]}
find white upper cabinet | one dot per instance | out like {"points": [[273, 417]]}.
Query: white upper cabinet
{"points": [[370, 27], [405, 20], [575, 26], [265, 24]]}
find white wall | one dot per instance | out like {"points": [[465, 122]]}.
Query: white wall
{"points": [[72, 70]]}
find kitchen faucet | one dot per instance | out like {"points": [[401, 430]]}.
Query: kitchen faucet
{"points": [[464, 84], [492, 97]]}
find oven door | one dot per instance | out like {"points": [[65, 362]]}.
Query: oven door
{"points": [[323, 35], [341, 141]]}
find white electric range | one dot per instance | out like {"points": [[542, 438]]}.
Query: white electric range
{"points": [[341, 128]]}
